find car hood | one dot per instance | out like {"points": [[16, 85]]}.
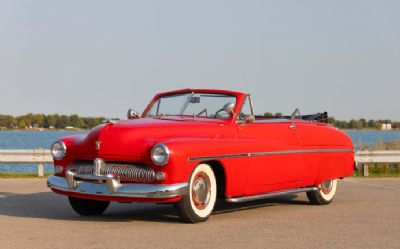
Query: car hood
{"points": [[132, 138]]}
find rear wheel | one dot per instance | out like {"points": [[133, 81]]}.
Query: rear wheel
{"points": [[325, 193], [198, 204], [87, 207]]}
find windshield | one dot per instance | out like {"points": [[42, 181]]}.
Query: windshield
{"points": [[207, 105]]}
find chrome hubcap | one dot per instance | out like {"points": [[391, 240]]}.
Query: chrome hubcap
{"points": [[326, 186], [201, 190]]}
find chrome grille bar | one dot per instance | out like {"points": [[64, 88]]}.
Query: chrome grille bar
{"points": [[125, 171]]}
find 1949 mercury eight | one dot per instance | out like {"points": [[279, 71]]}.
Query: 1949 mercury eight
{"points": [[192, 146]]}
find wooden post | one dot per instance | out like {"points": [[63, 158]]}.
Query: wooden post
{"points": [[41, 169], [365, 170]]}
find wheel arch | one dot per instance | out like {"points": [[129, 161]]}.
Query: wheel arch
{"points": [[220, 176]]}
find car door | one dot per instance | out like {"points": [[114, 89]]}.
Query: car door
{"points": [[273, 163]]}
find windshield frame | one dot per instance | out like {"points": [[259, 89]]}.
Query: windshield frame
{"points": [[156, 98]]}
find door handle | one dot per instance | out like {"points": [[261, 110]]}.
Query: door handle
{"points": [[293, 127]]}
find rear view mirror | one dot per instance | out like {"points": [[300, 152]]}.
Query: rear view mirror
{"points": [[194, 100], [132, 114]]}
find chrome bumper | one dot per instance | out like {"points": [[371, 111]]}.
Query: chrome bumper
{"points": [[110, 186]]}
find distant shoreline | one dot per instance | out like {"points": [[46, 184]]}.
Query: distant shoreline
{"points": [[86, 130], [44, 129], [368, 129]]}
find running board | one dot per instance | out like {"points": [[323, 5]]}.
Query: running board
{"points": [[269, 195]]}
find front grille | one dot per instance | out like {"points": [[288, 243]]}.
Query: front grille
{"points": [[126, 172]]}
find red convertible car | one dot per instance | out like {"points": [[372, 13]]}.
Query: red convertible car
{"points": [[192, 146]]}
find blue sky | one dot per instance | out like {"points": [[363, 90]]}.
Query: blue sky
{"points": [[103, 57]]}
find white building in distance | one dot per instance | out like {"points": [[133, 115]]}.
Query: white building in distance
{"points": [[386, 127]]}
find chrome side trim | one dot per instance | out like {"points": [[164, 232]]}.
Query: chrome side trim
{"points": [[110, 186], [273, 120], [218, 157], [269, 195], [268, 153]]}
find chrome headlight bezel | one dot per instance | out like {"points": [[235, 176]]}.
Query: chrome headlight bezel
{"points": [[160, 154], [58, 150]]}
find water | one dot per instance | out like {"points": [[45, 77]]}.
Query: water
{"points": [[29, 140], [373, 137], [43, 139]]}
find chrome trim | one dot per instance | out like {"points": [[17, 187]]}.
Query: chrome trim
{"points": [[127, 172], [160, 176], [98, 144], [62, 145], [132, 114], [69, 175], [218, 157], [273, 120], [167, 154], [269, 195], [269, 153], [98, 165], [294, 113], [110, 186], [251, 105]]}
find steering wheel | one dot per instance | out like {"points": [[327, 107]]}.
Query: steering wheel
{"points": [[217, 112], [202, 111]]}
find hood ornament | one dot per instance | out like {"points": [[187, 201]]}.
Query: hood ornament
{"points": [[98, 143]]}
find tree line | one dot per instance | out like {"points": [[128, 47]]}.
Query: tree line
{"points": [[56, 121], [52, 121], [359, 124]]}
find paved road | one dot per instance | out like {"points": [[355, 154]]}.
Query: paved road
{"points": [[365, 214]]}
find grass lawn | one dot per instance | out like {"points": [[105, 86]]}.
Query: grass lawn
{"points": [[20, 175]]}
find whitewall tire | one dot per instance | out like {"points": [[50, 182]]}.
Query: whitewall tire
{"points": [[199, 203], [325, 193]]}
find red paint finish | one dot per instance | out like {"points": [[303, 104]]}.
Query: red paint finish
{"points": [[300, 157]]}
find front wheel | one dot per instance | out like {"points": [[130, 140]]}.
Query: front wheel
{"points": [[325, 193], [199, 203], [87, 207]]}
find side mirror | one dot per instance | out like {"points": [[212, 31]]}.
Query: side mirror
{"points": [[228, 108], [249, 118], [132, 114], [246, 118]]}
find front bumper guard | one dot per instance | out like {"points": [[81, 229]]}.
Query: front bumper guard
{"points": [[110, 185]]}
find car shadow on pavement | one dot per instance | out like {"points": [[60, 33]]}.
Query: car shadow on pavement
{"points": [[223, 207], [47, 205]]}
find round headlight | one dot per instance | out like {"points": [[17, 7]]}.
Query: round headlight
{"points": [[58, 150], [160, 154]]}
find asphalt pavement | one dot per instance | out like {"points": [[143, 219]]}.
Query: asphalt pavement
{"points": [[364, 214]]}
